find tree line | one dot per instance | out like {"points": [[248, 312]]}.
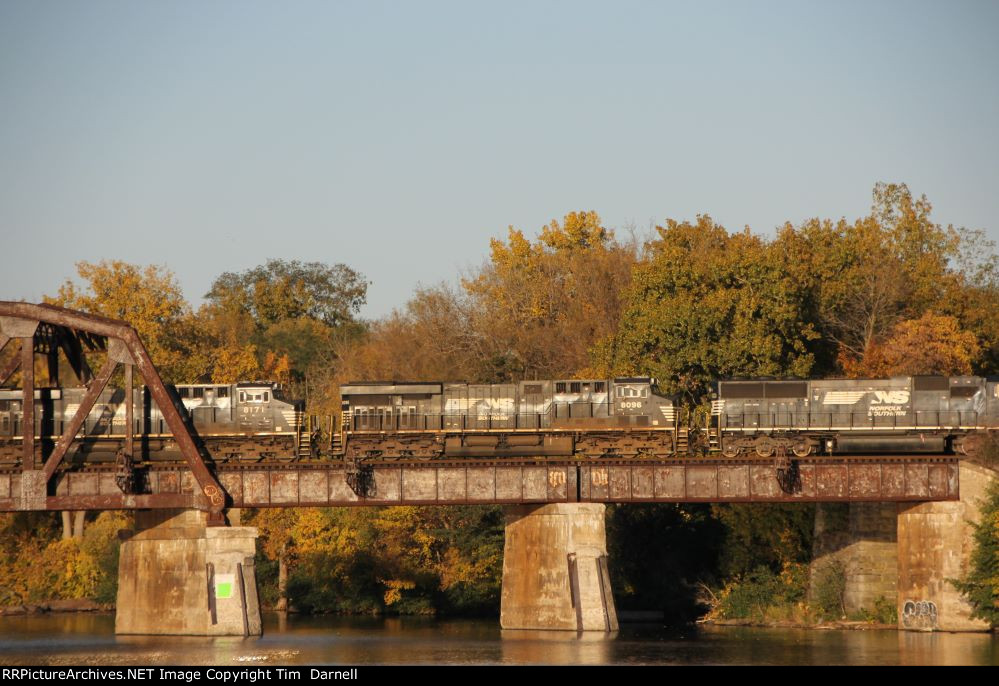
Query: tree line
{"points": [[891, 292]]}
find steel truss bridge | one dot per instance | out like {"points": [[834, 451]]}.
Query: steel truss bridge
{"points": [[44, 480]]}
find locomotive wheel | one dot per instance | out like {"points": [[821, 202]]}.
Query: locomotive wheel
{"points": [[765, 449], [803, 449], [730, 450]]}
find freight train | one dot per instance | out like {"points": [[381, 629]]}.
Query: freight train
{"points": [[624, 417]]}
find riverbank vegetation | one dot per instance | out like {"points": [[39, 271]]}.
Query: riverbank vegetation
{"points": [[892, 292]]}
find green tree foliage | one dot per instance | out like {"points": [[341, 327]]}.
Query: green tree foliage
{"points": [[707, 304], [869, 276], [771, 535], [393, 559], [981, 584], [286, 315], [281, 289]]}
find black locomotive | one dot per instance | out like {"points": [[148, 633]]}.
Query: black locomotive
{"points": [[902, 414], [624, 417]]}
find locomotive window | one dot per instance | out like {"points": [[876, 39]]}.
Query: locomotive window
{"points": [[222, 392], [632, 392], [574, 387], [963, 391], [599, 387], [184, 392], [199, 392], [242, 397], [266, 396], [586, 387], [4, 406], [560, 386]]}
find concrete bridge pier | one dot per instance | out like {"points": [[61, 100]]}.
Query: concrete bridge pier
{"points": [[555, 569], [177, 575], [855, 549], [934, 545]]}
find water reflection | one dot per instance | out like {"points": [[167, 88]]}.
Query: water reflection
{"points": [[89, 639], [920, 648], [557, 647]]}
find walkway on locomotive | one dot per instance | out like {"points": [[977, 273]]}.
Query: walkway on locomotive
{"points": [[524, 406]]}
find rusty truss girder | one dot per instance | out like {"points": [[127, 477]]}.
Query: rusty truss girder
{"points": [[47, 330]]}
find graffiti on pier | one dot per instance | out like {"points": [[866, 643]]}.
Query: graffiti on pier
{"points": [[919, 614]]}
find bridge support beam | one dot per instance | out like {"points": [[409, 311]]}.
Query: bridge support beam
{"points": [[855, 553], [177, 575], [555, 569], [934, 545]]}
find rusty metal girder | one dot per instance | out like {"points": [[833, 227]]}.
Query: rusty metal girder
{"points": [[75, 331], [912, 479], [87, 404]]}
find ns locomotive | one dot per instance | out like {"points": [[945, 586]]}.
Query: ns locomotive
{"points": [[234, 421], [904, 414], [624, 417]]}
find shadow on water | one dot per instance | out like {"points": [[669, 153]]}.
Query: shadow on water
{"points": [[88, 639]]}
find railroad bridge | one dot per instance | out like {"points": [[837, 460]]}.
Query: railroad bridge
{"points": [[911, 507]]}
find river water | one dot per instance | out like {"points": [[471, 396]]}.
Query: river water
{"points": [[88, 639]]}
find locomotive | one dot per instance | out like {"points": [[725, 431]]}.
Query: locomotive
{"points": [[931, 414], [249, 420], [625, 416]]}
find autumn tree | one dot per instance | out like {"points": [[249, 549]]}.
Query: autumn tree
{"points": [[893, 265], [707, 304], [428, 338], [538, 306], [284, 314], [148, 298], [932, 344], [288, 289]]}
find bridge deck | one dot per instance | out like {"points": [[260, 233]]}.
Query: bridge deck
{"points": [[819, 479]]}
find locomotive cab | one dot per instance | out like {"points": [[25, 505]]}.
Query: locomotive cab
{"points": [[637, 402]]}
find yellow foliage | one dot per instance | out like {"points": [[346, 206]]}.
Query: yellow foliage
{"points": [[394, 589], [148, 298], [234, 363]]}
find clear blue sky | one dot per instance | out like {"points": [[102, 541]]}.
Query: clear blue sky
{"points": [[398, 137]]}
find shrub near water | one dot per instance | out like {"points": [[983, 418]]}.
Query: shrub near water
{"points": [[37, 565], [763, 595]]}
